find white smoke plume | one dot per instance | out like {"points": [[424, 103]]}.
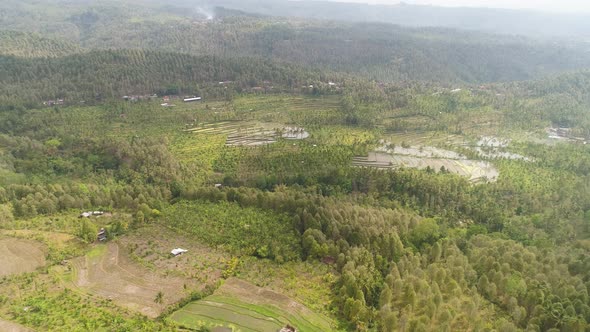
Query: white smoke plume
{"points": [[208, 13]]}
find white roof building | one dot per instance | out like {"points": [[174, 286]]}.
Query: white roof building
{"points": [[178, 251], [186, 100]]}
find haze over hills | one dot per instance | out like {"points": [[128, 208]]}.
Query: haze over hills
{"points": [[377, 51], [201, 165], [535, 24]]}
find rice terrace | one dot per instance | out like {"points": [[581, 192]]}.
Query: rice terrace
{"points": [[245, 133], [426, 157]]}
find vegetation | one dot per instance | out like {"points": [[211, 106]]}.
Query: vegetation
{"points": [[241, 305], [357, 247]]}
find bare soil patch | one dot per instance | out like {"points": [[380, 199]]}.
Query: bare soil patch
{"points": [[151, 245], [20, 255], [256, 295], [6, 326], [110, 273]]}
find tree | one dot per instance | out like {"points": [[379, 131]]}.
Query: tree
{"points": [[159, 299], [87, 230], [426, 232], [6, 216]]}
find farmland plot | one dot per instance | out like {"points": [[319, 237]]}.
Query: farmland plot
{"points": [[435, 159], [109, 273], [244, 133], [7, 326], [241, 306], [20, 255]]}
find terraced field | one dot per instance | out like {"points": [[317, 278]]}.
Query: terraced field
{"points": [[20, 255], [241, 306], [247, 133], [428, 157], [473, 169]]}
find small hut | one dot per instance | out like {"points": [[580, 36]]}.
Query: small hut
{"points": [[102, 235], [178, 251]]}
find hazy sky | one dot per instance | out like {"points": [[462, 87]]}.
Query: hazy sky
{"points": [[544, 5]]}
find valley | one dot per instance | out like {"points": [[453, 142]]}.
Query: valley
{"points": [[184, 167]]}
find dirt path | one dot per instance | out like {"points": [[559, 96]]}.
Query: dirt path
{"points": [[6, 326], [20, 255]]}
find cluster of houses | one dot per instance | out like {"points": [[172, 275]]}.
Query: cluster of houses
{"points": [[322, 86], [91, 214], [562, 133], [140, 97], [265, 87], [53, 102], [166, 99]]}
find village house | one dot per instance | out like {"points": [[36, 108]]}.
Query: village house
{"points": [[191, 99], [53, 102]]}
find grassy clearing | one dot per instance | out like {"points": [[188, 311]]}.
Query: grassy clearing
{"points": [[219, 311], [244, 231], [150, 247], [340, 135]]}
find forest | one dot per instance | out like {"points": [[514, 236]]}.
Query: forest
{"points": [[306, 185]]}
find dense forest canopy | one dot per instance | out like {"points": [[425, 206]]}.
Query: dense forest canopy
{"points": [[535, 24], [329, 175], [375, 51]]}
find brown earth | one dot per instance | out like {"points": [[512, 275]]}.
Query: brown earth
{"points": [[20, 255], [250, 293], [151, 245], [6, 326], [110, 273]]}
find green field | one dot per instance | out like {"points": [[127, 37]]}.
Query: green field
{"points": [[244, 307]]}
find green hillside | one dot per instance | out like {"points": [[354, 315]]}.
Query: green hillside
{"points": [[28, 45], [334, 176]]}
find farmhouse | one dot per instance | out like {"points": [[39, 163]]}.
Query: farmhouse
{"points": [[53, 102], [191, 99], [288, 328]]}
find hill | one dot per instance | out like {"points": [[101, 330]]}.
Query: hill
{"points": [[112, 74], [30, 45], [375, 51], [530, 23]]}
